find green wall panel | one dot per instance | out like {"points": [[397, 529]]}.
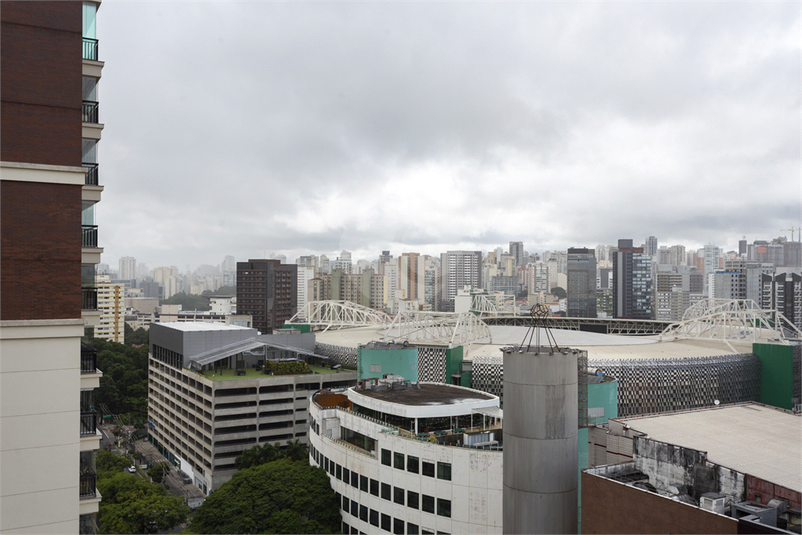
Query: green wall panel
{"points": [[776, 374]]}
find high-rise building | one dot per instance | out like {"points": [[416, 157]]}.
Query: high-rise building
{"points": [[268, 291], [581, 283], [651, 246], [111, 304], [305, 274], [49, 183], [676, 255], [411, 280], [517, 252], [458, 269], [632, 282], [127, 268], [712, 254], [783, 292]]}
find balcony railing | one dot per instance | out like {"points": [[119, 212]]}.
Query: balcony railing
{"points": [[91, 174], [89, 111], [90, 48], [87, 485], [88, 298], [88, 360], [88, 423], [88, 235]]}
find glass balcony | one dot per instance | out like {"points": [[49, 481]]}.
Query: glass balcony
{"points": [[91, 174], [90, 48], [88, 485], [88, 235], [90, 111], [88, 423], [88, 298]]}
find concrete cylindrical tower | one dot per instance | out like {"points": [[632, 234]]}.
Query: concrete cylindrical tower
{"points": [[540, 441]]}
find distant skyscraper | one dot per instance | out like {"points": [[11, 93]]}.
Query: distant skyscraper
{"points": [[632, 282], [783, 292], [711, 264], [581, 283], [517, 252], [651, 246], [412, 278], [676, 255], [268, 291], [127, 268], [229, 263], [459, 269]]}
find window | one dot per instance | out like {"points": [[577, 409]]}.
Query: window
{"points": [[374, 487], [412, 464], [346, 475], [428, 469], [354, 509], [346, 528], [346, 503], [385, 457], [398, 495], [363, 483], [339, 471], [444, 507], [412, 499], [412, 529], [444, 471], [425, 531], [374, 518], [398, 461], [363, 513], [398, 526], [355, 480], [428, 504], [385, 522], [385, 491]]}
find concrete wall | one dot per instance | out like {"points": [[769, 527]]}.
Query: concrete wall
{"points": [[612, 507]]}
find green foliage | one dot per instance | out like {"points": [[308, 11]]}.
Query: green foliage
{"points": [[223, 290], [159, 471], [559, 292], [286, 368], [131, 504], [188, 302], [278, 497], [267, 453], [136, 337], [124, 385]]}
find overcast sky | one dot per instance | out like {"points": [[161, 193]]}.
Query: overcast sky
{"points": [[251, 128]]}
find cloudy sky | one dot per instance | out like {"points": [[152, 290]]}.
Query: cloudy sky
{"points": [[256, 128]]}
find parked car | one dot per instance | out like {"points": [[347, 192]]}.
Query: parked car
{"points": [[131, 470]]}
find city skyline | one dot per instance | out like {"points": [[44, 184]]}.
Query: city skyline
{"points": [[289, 128]]}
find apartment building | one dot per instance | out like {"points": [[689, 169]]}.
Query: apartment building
{"points": [[50, 185], [458, 269], [110, 304], [268, 291]]}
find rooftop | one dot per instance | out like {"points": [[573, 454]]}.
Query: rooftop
{"points": [[427, 394], [755, 439], [191, 326]]}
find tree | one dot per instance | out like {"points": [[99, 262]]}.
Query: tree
{"points": [[138, 337], [559, 292], [188, 301], [159, 471], [267, 453], [278, 497]]}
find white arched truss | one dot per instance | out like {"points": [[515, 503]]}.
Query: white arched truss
{"points": [[733, 319], [493, 305], [339, 314], [438, 328]]}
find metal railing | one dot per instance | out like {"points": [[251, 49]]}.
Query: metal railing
{"points": [[90, 48], [88, 361], [89, 111], [88, 485], [88, 298], [88, 423], [88, 235], [91, 174]]}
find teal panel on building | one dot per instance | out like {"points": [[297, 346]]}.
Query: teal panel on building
{"points": [[453, 361], [377, 360], [303, 327], [776, 374]]}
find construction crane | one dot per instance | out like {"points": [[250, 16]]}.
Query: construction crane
{"points": [[792, 229]]}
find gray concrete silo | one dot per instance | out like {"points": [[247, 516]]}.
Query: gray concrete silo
{"points": [[540, 440]]}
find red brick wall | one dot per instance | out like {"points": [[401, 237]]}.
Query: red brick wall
{"points": [[769, 491], [612, 507], [40, 250], [40, 83]]}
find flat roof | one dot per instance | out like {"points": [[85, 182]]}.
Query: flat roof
{"points": [[198, 326], [755, 439], [427, 394]]}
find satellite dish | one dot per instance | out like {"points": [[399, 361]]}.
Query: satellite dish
{"points": [[716, 402]]}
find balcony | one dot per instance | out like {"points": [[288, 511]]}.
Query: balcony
{"points": [[88, 235], [88, 298], [89, 111], [91, 174], [88, 360], [87, 485], [88, 423], [90, 48]]}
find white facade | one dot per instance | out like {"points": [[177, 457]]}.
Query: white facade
{"points": [[110, 303], [407, 484], [305, 274], [127, 268]]}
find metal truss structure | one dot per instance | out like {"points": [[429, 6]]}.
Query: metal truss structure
{"points": [[493, 305], [733, 319], [438, 328], [339, 314], [627, 327]]}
